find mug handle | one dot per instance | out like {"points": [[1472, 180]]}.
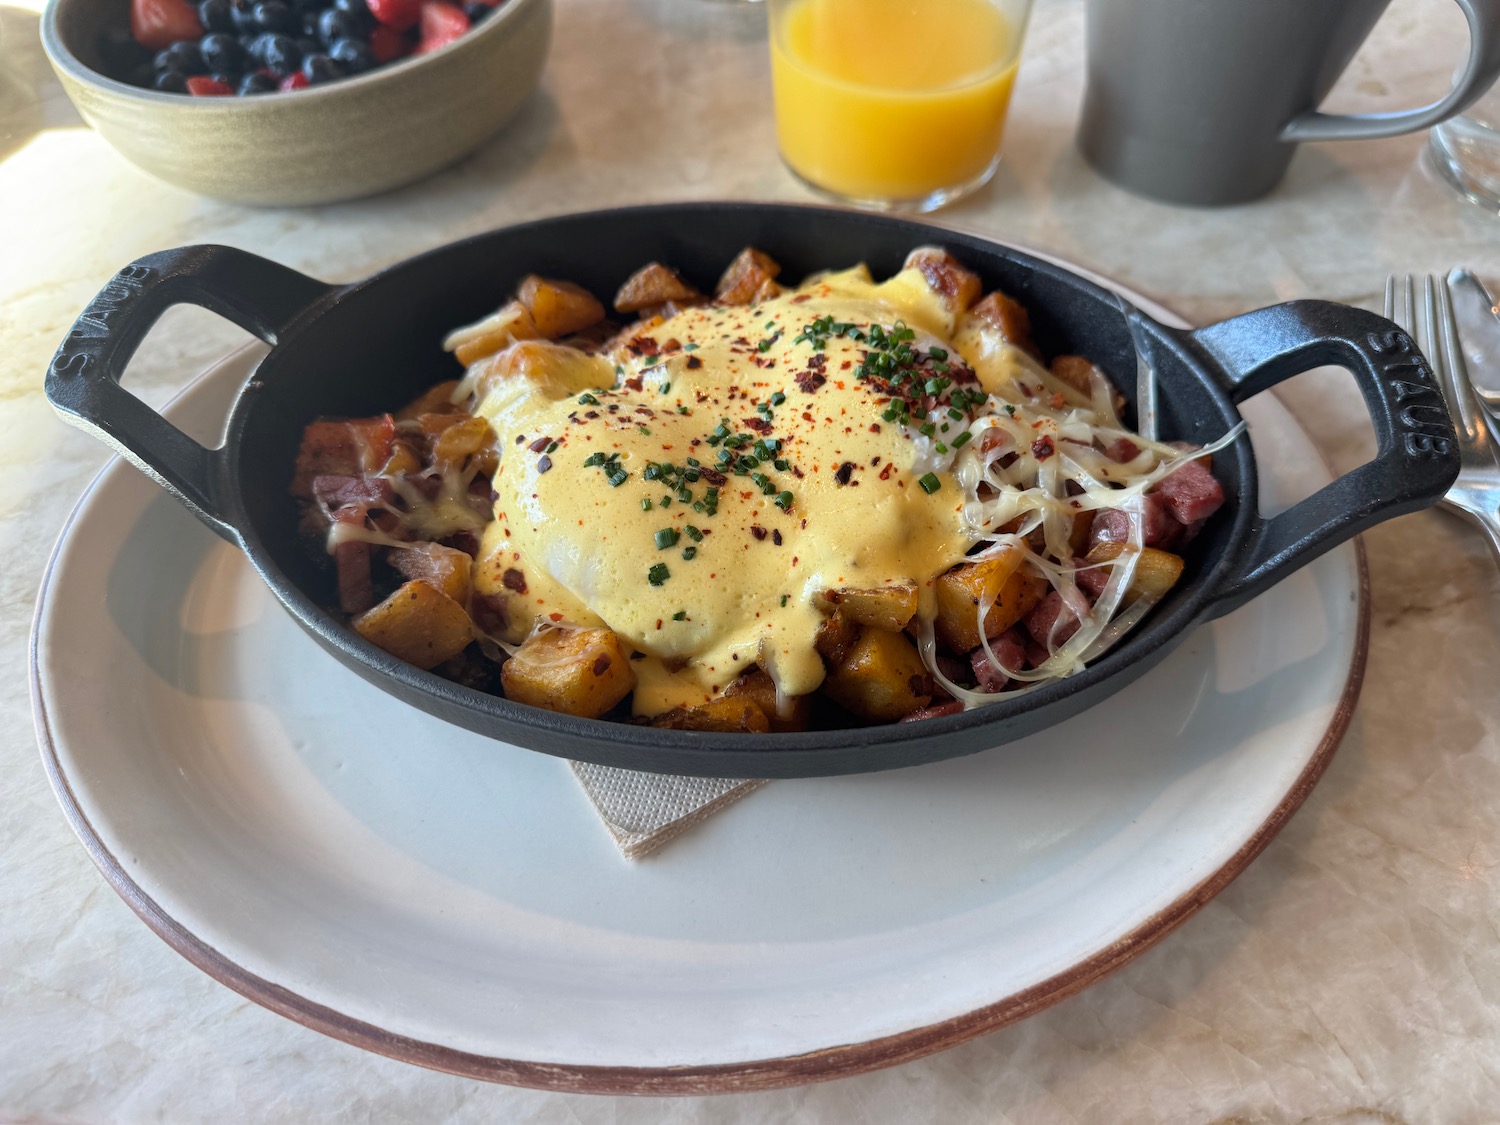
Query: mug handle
{"points": [[83, 381], [1479, 73], [1416, 458]]}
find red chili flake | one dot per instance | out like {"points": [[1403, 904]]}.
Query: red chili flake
{"points": [[1042, 448], [885, 473], [757, 531], [540, 444], [513, 579], [635, 384], [713, 476], [672, 344], [1057, 400], [543, 464], [759, 425], [809, 381], [844, 472], [776, 536], [591, 414], [643, 345], [602, 663], [554, 617], [694, 361], [848, 363], [874, 427]]}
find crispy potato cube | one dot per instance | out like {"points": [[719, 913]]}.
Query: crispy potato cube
{"points": [[742, 282], [881, 679], [958, 287], [437, 400], [835, 637], [444, 568], [883, 607], [653, 284], [768, 289], [739, 715], [1007, 317], [1156, 571], [1013, 589], [559, 308], [509, 323], [758, 687], [464, 437], [419, 624], [582, 672]]}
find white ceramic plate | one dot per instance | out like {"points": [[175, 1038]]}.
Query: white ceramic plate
{"points": [[424, 892]]}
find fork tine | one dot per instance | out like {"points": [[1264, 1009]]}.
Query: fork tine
{"points": [[1390, 298], [1463, 405]]}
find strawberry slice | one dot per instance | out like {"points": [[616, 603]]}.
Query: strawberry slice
{"points": [[397, 14], [202, 86], [388, 44], [442, 23], [157, 24], [294, 81]]}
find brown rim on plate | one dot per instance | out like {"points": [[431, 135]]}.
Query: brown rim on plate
{"points": [[840, 1061]]}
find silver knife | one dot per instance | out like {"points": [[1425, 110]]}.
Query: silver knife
{"points": [[1479, 330]]}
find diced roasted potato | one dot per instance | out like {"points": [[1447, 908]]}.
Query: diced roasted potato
{"points": [[756, 686], [958, 287], [1156, 571], [559, 308], [556, 369], [439, 400], [835, 637], [467, 436], [736, 715], [583, 672], [418, 624], [1009, 318], [746, 276], [444, 568], [509, 323], [653, 284], [881, 679], [882, 607], [1013, 590]]}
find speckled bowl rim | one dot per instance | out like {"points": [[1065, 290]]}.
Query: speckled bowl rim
{"points": [[63, 58]]}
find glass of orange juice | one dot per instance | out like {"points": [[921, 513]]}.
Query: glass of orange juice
{"points": [[894, 104]]}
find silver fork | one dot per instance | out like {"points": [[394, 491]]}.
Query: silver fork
{"points": [[1476, 493]]}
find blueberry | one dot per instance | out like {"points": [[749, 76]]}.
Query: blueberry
{"points": [[243, 14], [257, 83], [216, 15], [359, 9], [182, 56], [334, 25], [171, 82], [281, 55], [222, 52], [310, 45], [320, 68], [352, 55], [274, 15], [477, 10], [308, 7]]}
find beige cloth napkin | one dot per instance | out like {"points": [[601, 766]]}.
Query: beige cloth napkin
{"points": [[644, 810]]}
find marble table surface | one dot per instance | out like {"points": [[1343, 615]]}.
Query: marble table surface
{"points": [[1351, 974]]}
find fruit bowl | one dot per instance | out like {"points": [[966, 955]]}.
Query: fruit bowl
{"points": [[362, 134]]}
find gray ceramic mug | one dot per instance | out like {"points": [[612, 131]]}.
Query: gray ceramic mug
{"points": [[1204, 101]]}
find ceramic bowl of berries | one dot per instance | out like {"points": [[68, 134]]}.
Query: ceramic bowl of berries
{"points": [[353, 97]]}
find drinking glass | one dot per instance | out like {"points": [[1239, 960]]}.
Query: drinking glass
{"points": [[894, 104], [1466, 150]]}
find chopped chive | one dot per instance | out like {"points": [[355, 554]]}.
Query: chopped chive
{"points": [[941, 448], [551, 447], [693, 533], [928, 429], [593, 459], [666, 501], [685, 494], [784, 501], [658, 574], [930, 483], [784, 599], [777, 399], [680, 615], [681, 409], [955, 414], [617, 478], [690, 553], [644, 430], [689, 347], [645, 505], [665, 387], [666, 537], [782, 464], [587, 400], [962, 440]]}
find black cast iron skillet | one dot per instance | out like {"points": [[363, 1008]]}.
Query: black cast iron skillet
{"points": [[351, 350]]}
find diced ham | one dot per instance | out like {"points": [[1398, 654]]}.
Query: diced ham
{"points": [[352, 556], [1191, 492], [1091, 580], [1010, 652], [1157, 524], [1051, 621], [1122, 450], [335, 492], [934, 712], [354, 448]]}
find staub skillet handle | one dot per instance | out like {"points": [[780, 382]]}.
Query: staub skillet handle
{"points": [[1416, 460], [83, 382]]}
